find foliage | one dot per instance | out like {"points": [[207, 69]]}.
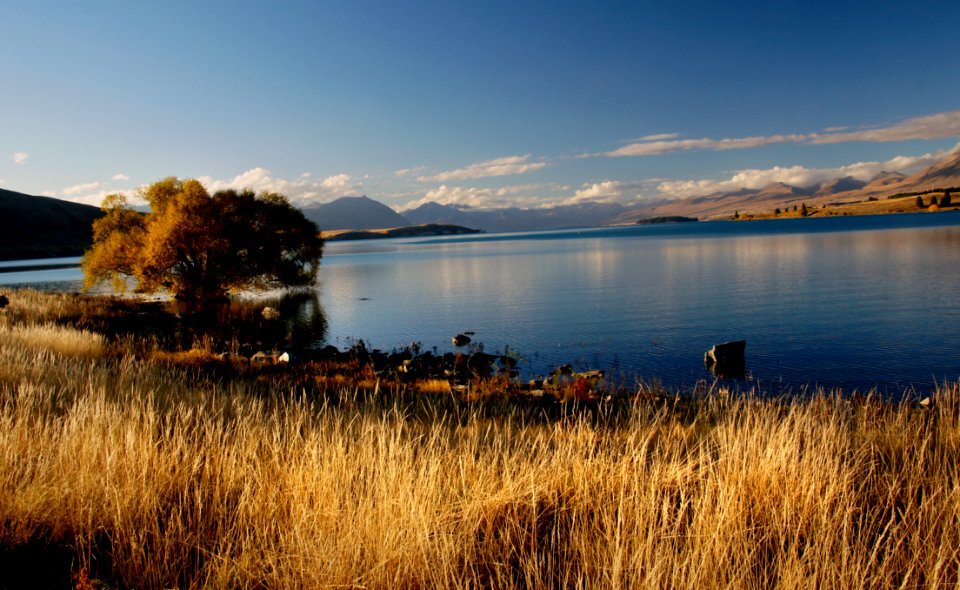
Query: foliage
{"points": [[803, 209], [919, 202], [199, 247], [946, 200]]}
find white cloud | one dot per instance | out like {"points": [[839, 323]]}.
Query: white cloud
{"points": [[339, 183], [525, 195], [666, 146], [94, 197], [608, 191], [533, 196], [301, 192], [506, 166], [404, 172], [796, 175], [78, 189], [20, 157], [659, 137], [938, 126], [530, 196]]}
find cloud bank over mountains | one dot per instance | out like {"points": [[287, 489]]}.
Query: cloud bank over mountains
{"points": [[470, 185], [301, 191], [796, 176]]}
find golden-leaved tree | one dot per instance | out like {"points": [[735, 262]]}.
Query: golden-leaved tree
{"points": [[200, 247]]}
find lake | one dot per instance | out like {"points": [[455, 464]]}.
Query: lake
{"points": [[851, 302]]}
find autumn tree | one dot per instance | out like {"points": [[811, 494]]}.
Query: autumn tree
{"points": [[201, 247]]}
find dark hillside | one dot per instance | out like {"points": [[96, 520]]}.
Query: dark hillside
{"points": [[354, 213], [43, 227]]}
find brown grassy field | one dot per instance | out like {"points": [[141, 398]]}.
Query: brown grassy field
{"points": [[905, 204], [120, 471]]}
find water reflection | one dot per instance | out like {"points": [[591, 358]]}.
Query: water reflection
{"points": [[294, 320], [822, 302]]}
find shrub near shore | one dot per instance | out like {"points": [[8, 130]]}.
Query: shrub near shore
{"points": [[122, 471]]}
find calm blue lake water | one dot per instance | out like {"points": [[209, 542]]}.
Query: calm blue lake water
{"points": [[856, 302]]}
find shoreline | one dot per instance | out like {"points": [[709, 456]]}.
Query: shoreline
{"points": [[210, 338]]}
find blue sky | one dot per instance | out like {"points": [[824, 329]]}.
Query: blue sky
{"points": [[483, 104]]}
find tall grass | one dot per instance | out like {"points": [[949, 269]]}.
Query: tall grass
{"points": [[153, 477], [60, 340]]}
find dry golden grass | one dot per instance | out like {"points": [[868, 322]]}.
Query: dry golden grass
{"points": [[154, 476], [60, 340], [906, 204], [434, 386]]}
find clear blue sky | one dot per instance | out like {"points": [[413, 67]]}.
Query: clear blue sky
{"points": [[486, 103]]}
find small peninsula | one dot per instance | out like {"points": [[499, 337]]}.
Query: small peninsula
{"points": [[667, 219], [415, 231]]}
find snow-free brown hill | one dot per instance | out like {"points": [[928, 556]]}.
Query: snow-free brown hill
{"points": [[885, 179], [839, 185], [719, 205], [943, 174]]}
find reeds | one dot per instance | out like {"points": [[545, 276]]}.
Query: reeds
{"points": [[153, 476]]}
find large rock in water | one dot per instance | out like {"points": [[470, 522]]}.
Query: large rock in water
{"points": [[727, 359]]}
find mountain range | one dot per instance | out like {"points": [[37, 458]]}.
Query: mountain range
{"points": [[38, 227], [364, 213], [943, 174], [720, 205]]}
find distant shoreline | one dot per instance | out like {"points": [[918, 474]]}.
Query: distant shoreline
{"points": [[890, 206], [414, 231]]}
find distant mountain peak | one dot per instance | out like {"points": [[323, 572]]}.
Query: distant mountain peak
{"points": [[781, 189], [887, 174], [357, 212], [840, 185]]}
